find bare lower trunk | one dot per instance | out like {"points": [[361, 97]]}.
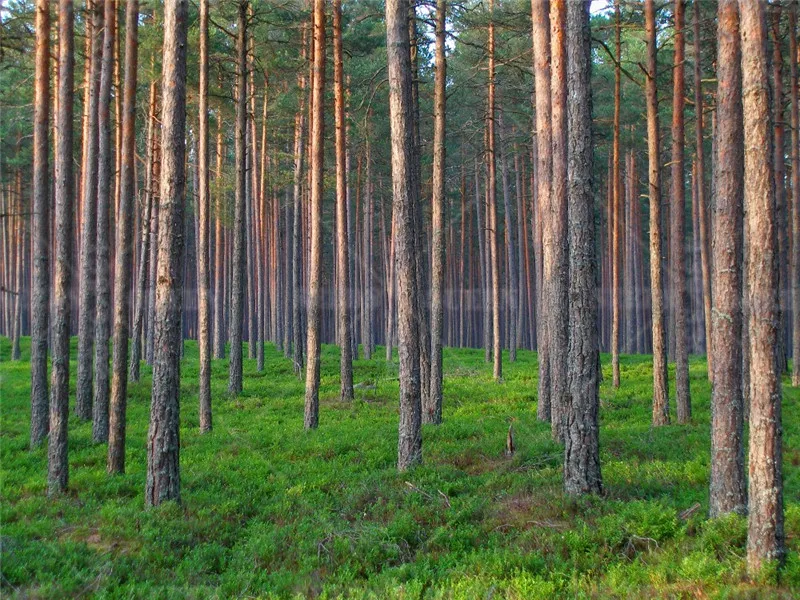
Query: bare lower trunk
{"points": [[163, 438], [616, 211], [581, 427], [311, 417], [795, 121], [494, 249], [124, 245], [765, 534], [405, 201], [660, 382], [40, 301], [219, 254], [58, 466]]}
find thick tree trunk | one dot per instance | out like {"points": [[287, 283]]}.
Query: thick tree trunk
{"points": [[58, 466], [88, 258], [765, 534], [105, 180], [405, 200], [311, 417], [432, 413], [238, 281], [494, 249], [40, 301], [124, 245], [343, 242], [541, 58], [203, 259], [678, 231], [163, 438], [581, 427], [727, 486], [660, 381]]}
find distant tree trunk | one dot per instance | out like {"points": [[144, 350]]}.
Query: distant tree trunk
{"points": [[58, 466], [558, 278], [432, 413], [124, 245], [163, 443], [779, 175], [238, 281], [19, 235], [219, 253], [40, 301], [343, 247], [765, 534], [616, 211], [541, 58], [366, 253], [153, 262], [678, 254], [660, 381], [141, 280], [105, 178], [581, 427], [480, 210], [406, 198], [311, 418], [88, 258], [702, 209], [727, 487], [494, 250], [204, 330], [297, 242], [511, 262], [795, 120]]}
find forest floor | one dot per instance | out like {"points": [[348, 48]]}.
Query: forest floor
{"points": [[269, 510]]}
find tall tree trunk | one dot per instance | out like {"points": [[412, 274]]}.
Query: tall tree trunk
{"points": [[795, 120], [540, 10], [511, 260], [659, 335], [494, 250], [702, 210], [88, 258], [153, 262], [311, 418], [163, 438], [105, 178], [765, 535], [432, 413], [144, 255], [57, 465], [616, 210], [124, 245], [678, 253], [343, 247], [203, 259], [219, 253], [581, 427], [727, 486], [238, 281], [405, 202], [557, 296], [40, 301]]}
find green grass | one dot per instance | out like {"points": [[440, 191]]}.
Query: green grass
{"points": [[272, 511]]}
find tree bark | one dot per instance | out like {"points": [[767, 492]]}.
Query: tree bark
{"points": [[58, 466], [494, 250], [124, 245], [203, 259], [581, 430], [405, 202], [660, 381], [219, 253], [163, 438], [88, 258], [540, 10], [795, 154], [311, 417], [40, 301], [765, 534], [678, 253], [343, 246], [238, 264], [616, 210]]}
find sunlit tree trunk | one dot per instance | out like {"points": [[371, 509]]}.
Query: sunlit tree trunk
{"points": [[163, 439], [494, 250], [616, 210]]}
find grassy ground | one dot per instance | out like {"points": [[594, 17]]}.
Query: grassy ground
{"points": [[272, 511]]}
